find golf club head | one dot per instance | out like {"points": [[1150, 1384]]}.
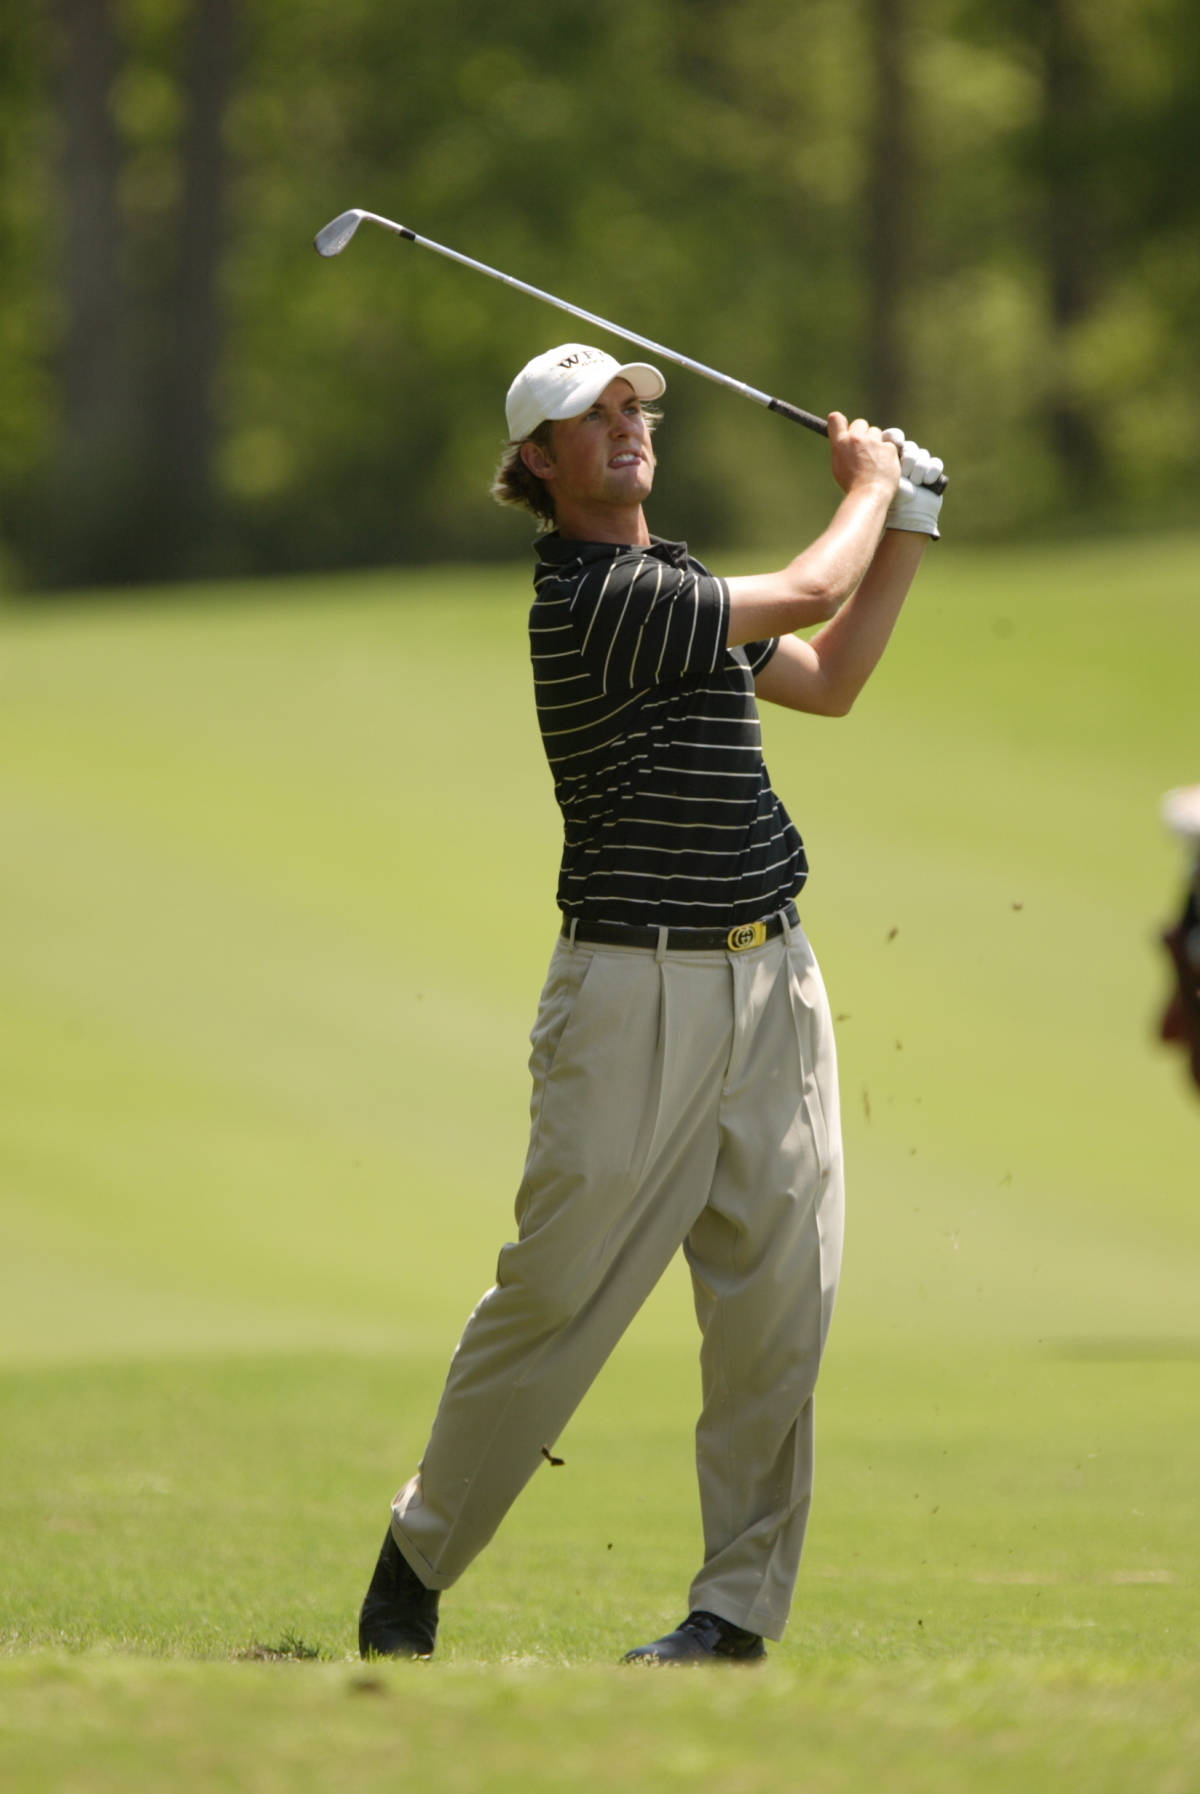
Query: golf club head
{"points": [[333, 237]]}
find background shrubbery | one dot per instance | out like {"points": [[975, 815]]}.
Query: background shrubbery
{"points": [[979, 219]]}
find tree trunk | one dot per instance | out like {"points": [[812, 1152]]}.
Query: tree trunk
{"points": [[888, 207], [1072, 242], [181, 470], [81, 537]]}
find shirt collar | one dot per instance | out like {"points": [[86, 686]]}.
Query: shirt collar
{"points": [[557, 551]]}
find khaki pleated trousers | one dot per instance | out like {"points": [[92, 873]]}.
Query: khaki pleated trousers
{"points": [[679, 1099]]}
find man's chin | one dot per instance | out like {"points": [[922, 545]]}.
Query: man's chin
{"points": [[633, 485]]}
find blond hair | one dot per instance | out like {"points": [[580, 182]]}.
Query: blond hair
{"points": [[514, 484]]}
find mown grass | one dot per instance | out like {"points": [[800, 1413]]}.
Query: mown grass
{"points": [[107, 1726], [276, 897], [991, 1504]]}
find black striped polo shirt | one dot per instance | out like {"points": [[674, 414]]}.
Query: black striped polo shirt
{"points": [[651, 729]]}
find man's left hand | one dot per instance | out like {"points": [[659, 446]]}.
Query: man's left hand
{"points": [[915, 507]]}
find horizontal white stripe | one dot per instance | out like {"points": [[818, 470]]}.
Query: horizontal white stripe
{"points": [[670, 878], [744, 720], [721, 854], [557, 760], [578, 704], [723, 828], [684, 902], [649, 796], [696, 772], [597, 722]]}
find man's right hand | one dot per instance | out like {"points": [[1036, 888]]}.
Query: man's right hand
{"points": [[862, 455], [814, 586]]}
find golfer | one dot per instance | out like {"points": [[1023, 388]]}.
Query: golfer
{"points": [[684, 1078], [1180, 1022]]}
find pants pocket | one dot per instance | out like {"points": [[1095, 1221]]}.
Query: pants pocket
{"points": [[563, 987], [814, 1044], [597, 1073]]}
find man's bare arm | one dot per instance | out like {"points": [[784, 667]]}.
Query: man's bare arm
{"points": [[821, 578], [825, 674]]}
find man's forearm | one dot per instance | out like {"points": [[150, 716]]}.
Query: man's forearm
{"points": [[850, 647], [824, 675], [811, 588]]}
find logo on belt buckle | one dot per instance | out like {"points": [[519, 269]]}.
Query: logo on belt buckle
{"points": [[750, 934]]}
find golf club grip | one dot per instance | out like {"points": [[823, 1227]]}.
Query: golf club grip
{"points": [[797, 415]]}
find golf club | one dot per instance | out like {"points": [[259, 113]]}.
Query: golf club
{"points": [[333, 237]]}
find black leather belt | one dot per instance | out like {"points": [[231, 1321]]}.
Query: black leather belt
{"points": [[696, 940]]}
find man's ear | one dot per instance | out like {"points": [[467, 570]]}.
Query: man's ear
{"points": [[537, 460]]}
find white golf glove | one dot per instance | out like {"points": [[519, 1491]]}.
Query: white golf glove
{"points": [[915, 506]]}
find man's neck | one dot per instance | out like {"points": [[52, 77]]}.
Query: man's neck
{"points": [[604, 523]]}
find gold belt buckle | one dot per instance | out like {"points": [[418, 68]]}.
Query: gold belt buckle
{"points": [[750, 934]]}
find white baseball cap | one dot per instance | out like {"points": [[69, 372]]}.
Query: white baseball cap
{"points": [[1181, 813], [565, 381]]}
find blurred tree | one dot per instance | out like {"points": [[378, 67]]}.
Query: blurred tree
{"points": [[980, 217], [90, 484], [1099, 160], [182, 414], [888, 213], [1072, 158], [140, 92], [28, 302]]}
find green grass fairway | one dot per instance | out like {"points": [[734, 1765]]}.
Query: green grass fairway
{"points": [[276, 896]]}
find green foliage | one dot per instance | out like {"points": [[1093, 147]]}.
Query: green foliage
{"points": [[27, 298], [699, 172]]}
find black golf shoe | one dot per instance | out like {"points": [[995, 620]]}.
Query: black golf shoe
{"points": [[399, 1616], [701, 1638]]}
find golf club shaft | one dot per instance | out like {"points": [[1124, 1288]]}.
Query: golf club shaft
{"points": [[334, 236], [339, 238]]}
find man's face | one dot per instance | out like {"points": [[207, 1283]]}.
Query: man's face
{"points": [[604, 456]]}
